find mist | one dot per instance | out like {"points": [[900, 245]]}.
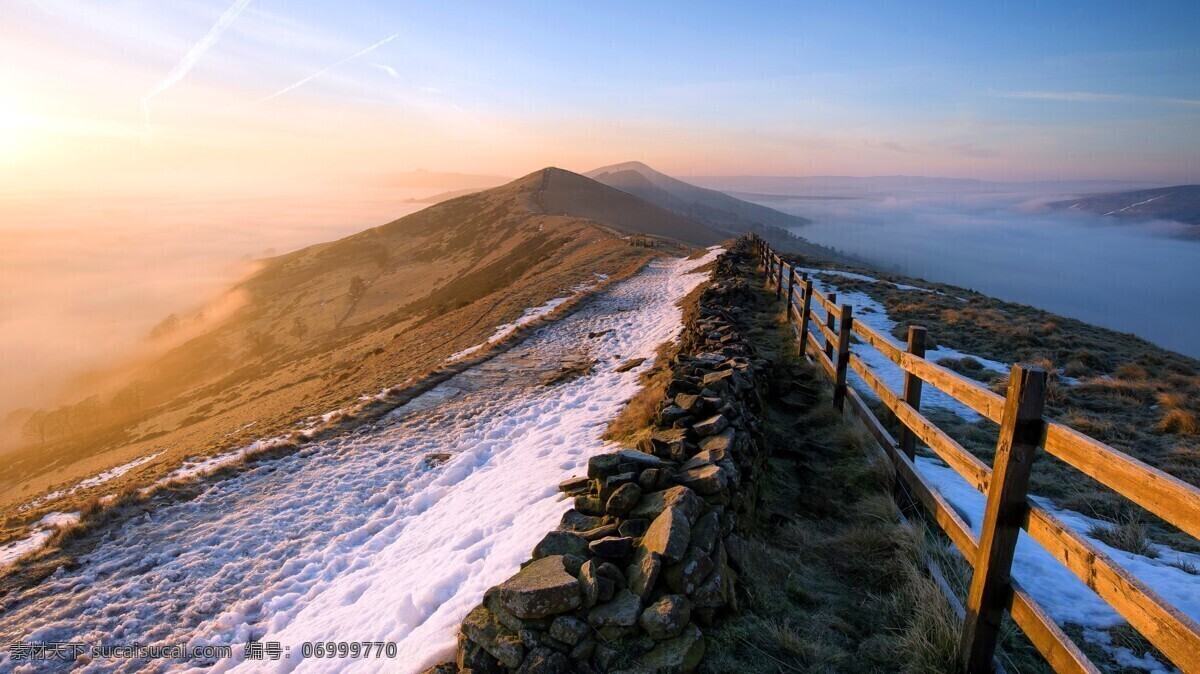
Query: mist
{"points": [[83, 286], [1128, 276]]}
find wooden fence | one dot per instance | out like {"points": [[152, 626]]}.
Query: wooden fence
{"points": [[1024, 431]]}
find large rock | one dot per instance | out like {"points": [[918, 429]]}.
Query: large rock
{"points": [[543, 660], [589, 584], [704, 480], [561, 543], [680, 654], [643, 572], [543, 588], [623, 499], [706, 532], [603, 465], [575, 521], [681, 498], [612, 547], [666, 618], [569, 630], [668, 535], [687, 575], [711, 426], [622, 611], [484, 629], [474, 658]]}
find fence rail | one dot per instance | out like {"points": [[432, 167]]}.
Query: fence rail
{"points": [[1024, 430]]}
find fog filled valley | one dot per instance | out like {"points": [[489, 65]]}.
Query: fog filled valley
{"points": [[1003, 240]]}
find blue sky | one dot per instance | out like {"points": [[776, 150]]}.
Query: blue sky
{"points": [[1035, 90]]}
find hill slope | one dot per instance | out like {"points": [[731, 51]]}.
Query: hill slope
{"points": [[713, 209], [319, 327], [1180, 203]]}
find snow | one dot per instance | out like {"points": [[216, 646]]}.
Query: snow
{"points": [[528, 316], [96, 480], [1064, 596], [872, 313], [41, 532], [357, 536]]}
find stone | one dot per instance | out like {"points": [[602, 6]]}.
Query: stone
{"points": [[573, 520], [545, 661], [622, 611], [589, 583], [569, 630], [612, 547], [623, 499], [720, 381], [680, 654], [612, 572], [713, 592], [599, 532], [634, 528], [491, 601], [653, 504], [666, 618], [575, 486], [687, 575], [711, 426], [482, 627], [442, 668], [639, 460], [541, 589], [668, 535], [643, 571], [671, 414], [541, 639], [603, 465], [561, 543], [474, 658], [705, 457], [584, 650], [648, 479], [706, 531], [589, 505], [705, 480], [689, 402]]}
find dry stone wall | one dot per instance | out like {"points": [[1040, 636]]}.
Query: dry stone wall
{"points": [[640, 565]]}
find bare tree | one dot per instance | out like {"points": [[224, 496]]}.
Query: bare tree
{"points": [[299, 328], [34, 428]]}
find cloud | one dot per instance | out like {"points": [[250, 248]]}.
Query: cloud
{"points": [[387, 69], [1090, 97], [322, 71], [960, 149], [193, 55]]}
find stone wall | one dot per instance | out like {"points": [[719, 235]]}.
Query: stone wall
{"points": [[639, 566]]}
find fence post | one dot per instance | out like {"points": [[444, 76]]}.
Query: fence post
{"points": [[805, 315], [779, 283], [1021, 429], [791, 286], [843, 356], [912, 389], [832, 297]]}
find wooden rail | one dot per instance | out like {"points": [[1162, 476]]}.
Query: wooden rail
{"points": [[1024, 431]]}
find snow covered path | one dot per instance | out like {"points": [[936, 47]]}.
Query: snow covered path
{"points": [[367, 536]]}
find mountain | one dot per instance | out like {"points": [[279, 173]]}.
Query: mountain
{"points": [[716, 210], [313, 330], [445, 196], [1180, 203]]}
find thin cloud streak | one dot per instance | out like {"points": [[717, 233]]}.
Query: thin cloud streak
{"points": [[193, 55], [1090, 97], [317, 74]]}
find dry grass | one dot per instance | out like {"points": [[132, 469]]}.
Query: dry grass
{"points": [[1130, 535]]}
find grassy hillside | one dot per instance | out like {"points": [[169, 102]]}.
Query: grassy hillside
{"points": [[322, 326], [1116, 387]]}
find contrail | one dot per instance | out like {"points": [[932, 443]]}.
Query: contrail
{"points": [[317, 74], [189, 59]]}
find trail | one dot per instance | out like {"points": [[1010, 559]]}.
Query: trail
{"points": [[388, 533]]}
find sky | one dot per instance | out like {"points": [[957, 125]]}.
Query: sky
{"points": [[155, 98], [152, 150]]}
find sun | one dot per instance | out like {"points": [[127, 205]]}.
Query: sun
{"points": [[16, 129]]}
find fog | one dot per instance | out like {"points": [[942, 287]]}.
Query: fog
{"points": [[83, 281], [1142, 278]]}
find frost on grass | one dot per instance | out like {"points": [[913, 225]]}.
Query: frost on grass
{"points": [[1065, 597], [359, 536]]}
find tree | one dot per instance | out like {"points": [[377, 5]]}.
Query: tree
{"points": [[299, 328], [129, 398], [261, 343], [59, 421], [34, 428]]}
